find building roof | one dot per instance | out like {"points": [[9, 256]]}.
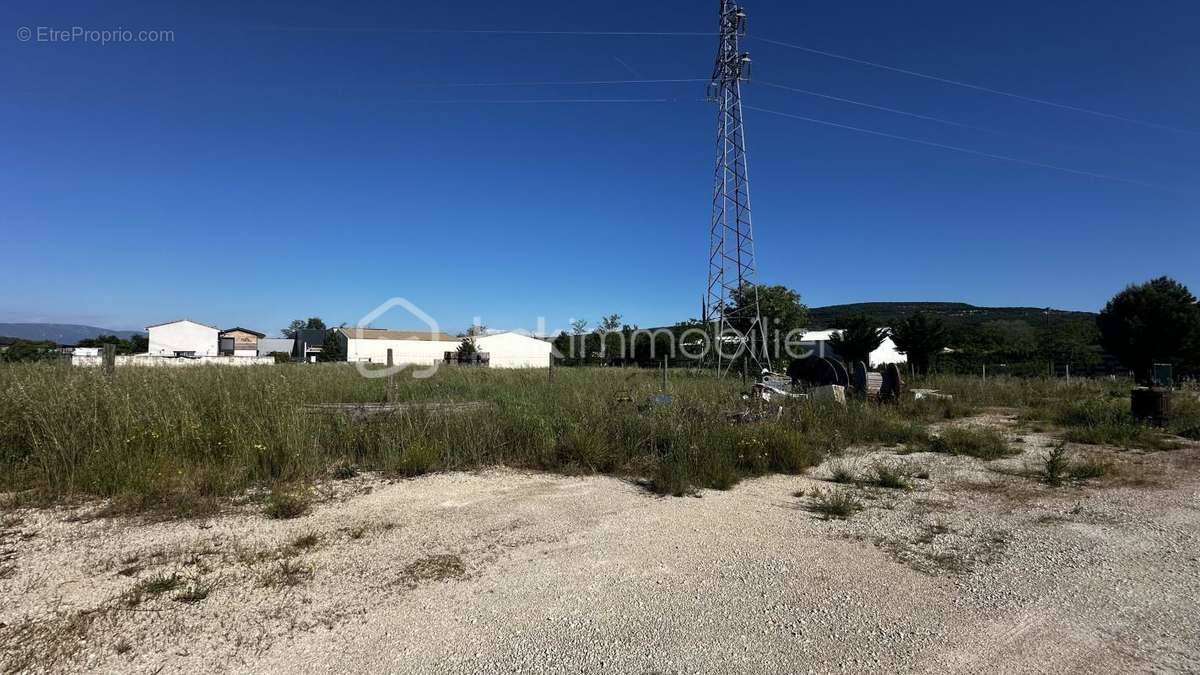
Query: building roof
{"points": [[386, 334], [167, 323], [818, 335], [244, 330]]}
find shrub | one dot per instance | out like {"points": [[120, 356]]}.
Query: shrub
{"points": [[306, 541], [344, 471], [842, 471], [1054, 467], [835, 504], [887, 476], [285, 505]]}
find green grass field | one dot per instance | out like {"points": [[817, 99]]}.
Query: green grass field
{"points": [[180, 440]]}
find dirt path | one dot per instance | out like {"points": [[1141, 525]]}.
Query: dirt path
{"points": [[973, 570]]}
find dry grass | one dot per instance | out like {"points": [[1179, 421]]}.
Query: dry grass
{"points": [[979, 442], [283, 505], [432, 568], [306, 541], [286, 573], [181, 442], [834, 504]]}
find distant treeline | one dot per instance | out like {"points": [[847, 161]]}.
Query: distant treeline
{"points": [[16, 350]]}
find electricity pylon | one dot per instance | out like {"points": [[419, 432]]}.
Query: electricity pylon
{"points": [[731, 309]]}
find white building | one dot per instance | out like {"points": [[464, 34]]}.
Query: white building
{"points": [[423, 348], [182, 338], [818, 341], [514, 350]]}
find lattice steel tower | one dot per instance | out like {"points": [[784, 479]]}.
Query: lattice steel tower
{"points": [[731, 265]]}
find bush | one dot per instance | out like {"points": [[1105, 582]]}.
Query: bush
{"points": [[835, 504], [282, 505], [842, 471], [1058, 468], [887, 476], [1054, 468]]}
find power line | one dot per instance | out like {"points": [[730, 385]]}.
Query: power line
{"points": [[556, 83], [546, 100], [977, 87], [872, 106], [919, 116], [437, 31], [977, 153]]}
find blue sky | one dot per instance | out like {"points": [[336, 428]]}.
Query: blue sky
{"points": [[278, 161]]}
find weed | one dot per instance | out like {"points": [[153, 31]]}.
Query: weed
{"points": [[1054, 467], [306, 541], [358, 532], [286, 573], [344, 471], [842, 471], [1090, 467], [985, 444], [195, 591], [891, 477], [285, 505], [130, 571], [122, 647], [835, 504], [432, 568], [151, 586], [1058, 468], [11, 522], [44, 645]]}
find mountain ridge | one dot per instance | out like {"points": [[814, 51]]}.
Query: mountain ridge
{"points": [[953, 313], [60, 333]]}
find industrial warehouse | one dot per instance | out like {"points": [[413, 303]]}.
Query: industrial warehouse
{"points": [[188, 342]]}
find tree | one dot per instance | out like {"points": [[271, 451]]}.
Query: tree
{"points": [[1010, 339], [1154, 322], [136, 344], [468, 347], [25, 351], [334, 346], [313, 322], [578, 326], [857, 340], [609, 337], [476, 329], [920, 337], [1072, 344], [780, 309]]}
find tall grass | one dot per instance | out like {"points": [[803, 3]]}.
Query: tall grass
{"points": [[179, 439], [172, 438], [1089, 410]]}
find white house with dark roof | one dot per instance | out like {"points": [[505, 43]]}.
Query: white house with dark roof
{"points": [[183, 338]]}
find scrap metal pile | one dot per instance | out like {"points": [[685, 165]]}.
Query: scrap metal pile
{"points": [[820, 379]]}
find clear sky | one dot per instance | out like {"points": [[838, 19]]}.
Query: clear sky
{"points": [[278, 160]]}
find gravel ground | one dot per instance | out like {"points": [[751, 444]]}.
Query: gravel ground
{"points": [[978, 568]]}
